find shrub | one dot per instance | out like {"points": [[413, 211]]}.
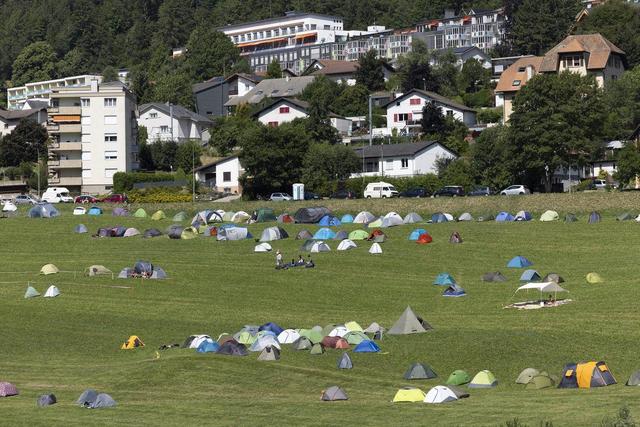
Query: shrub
{"points": [[158, 195], [123, 181]]}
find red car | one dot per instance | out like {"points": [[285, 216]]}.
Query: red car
{"points": [[115, 198], [85, 198]]}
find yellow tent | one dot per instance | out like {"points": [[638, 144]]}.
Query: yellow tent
{"points": [[132, 342], [594, 278], [353, 327], [409, 394], [594, 374], [158, 216], [49, 269]]}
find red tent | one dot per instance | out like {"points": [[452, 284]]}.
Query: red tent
{"points": [[424, 238]]}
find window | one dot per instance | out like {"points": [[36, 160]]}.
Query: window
{"points": [[522, 69], [110, 120], [516, 83], [273, 124], [110, 155], [402, 117], [573, 61], [85, 102], [226, 176], [111, 138], [449, 113], [153, 115], [164, 129], [327, 27], [109, 172], [86, 173], [109, 102], [404, 163], [284, 110], [415, 101]]}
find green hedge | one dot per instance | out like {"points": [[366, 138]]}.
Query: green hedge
{"points": [[158, 195], [123, 181]]}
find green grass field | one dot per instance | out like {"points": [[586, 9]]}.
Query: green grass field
{"points": [[70, 343]]}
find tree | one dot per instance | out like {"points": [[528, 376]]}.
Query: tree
{"points": [[188, 155], [23, 144], [370, 72], [109, 74], [73, 63], [163, 154], [433, 121], [414, 70], [324, 164], [321, 94], [445, 73], [622, 98], [36, 62], [455, 172], [228, 132], [473, 77], [353, 101], [557, 121], [174, 88], [628, 168], [210, 53], [492, 158], [273, 70]]}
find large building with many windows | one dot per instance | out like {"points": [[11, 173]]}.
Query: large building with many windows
{"points": [[94, 135], [41, 91]]}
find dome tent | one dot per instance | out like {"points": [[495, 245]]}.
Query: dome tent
{"points": [[549, 216], [412, 218], [409, 394], [346, 245], [346, 219], [419, 371], [364, 217], [458, 377], [80, 228], [52, 292], [483, 379], [333, 393], [79, 210], [440, 394]]}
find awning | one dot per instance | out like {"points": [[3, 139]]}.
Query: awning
{"points": [[543, 287], [65, 118], [304, 36], [279, 39]]}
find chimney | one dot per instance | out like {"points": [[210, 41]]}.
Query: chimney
{"points": [[94, 85]]}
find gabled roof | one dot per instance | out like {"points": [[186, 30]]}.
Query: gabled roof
{"points": [[273, 88], [302, 105], [179, 112], [409, 149], [18, 114], [208, 165], [514, 74], [596, 45], [435, 97], [218, 80], [331, 66]]}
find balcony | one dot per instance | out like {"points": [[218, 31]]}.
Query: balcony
{"points": [[64, 128], [65, 181], [66, 146], [75, 110], [65, 164]]}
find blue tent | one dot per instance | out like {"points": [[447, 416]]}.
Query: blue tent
{"points": [[43, 210], [444, 279], [329, 221], [438, 217], [519, 262], [208, 346], [415, 234], [530, 276], [95, 210], [346, 219], [454, 291], [523, 216], [273, 327], [324, 234], [80, 228], [594, 217], [504, 217], [366, 347]]}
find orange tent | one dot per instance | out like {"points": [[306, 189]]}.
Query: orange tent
{"points": [[424, 238]]}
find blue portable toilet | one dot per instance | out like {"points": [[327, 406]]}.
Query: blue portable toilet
{"points": [[324, 234], [346, 219], [519, 262], [366, 347], [504, 217], [415, 234], [444, 279], [208, 346], [454, 291], [530, 276]]}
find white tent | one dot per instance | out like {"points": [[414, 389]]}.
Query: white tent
{"points": [[264, 342], [79, 211], [320, 247], [347, 244], [375, 249], [339, 331], [198, 339], [412, 218], [262, 247], [465, 217], [391, 219], [288, 336], [130, 232], [240, 216], [543, 287], [270, 234], [440, 394], [9, 207], [364, 217], [52, 292], [448, 216]]}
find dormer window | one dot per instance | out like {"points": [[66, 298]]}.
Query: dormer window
{"points": [[516, 83]]}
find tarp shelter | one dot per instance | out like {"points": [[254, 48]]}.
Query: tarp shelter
{"points": [[409, 323], [329, 221], [79, 210], [45, 210], [412, 218], [553, 277], [465, 217], [98, 270], [444, 279], [46, 400], [440, 394], [87, 397], [634, 379], [438, 217], [271, 234], [483, 379], [345, 362], [103, 400], [240, 216], [233, 233], [132, 342], [140, 213], [523, 216], [526, 375], [52, 292], [285, 218], [364, 217], [262, 247], [409, 394], [310, 215], [49, 269], [346, 245], [375, 249], [504, 217], [594, 217], [130, 232], [333, 393], [419, 371], [624, 217], [194, 341], [493, 276], [530, 276], [288, 336], [586, 375], [519, 262], [95, 210], [232, 348], [302, 343], [319, 246], [8, 389], [455, 238], [180, 216], [31, 292], [424, 239], [358, 235], [269, 354], [454, 291], [304, 235], [346, 219], [549, 216], [594, 278], [570, 218], [158, 215], [120, 212], [152, 232], [80, 228], [458, 377], [324, 234], [265, 215], [542, 287], [413, 236], [208, 346]]}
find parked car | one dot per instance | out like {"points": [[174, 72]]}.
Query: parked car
{"points": [[515, 190], [85, 198], [450, 191], [308, 195], [343, 194], [380, 190], [115, 198], [24, 199], [415, 192], [480, 191], [279, 197]]}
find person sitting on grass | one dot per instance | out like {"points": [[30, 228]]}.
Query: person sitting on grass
{"points": [[310, 263], [300, 261]]}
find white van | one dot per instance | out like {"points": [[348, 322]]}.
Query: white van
{"points": [[380, 190], [57, 195]]}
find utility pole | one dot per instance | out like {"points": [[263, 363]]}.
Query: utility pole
{"points": [[370, 121], [193, 175], [171, 115], [38, 171]]}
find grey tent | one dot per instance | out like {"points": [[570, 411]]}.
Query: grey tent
{"points": [[45, 210], [273, 233], [409, 323], [302, 343], [233, 233], [87, 397], [80, 228], [46, 400], [233, 348], [151, 232], [527, 375], [465, 217], [120, 212], [634, 379], [486, 217], [570, 218], [158, 273], [594, 217], [125, 273], [142, 267], [494, 276], [307, 245], [455, 237], [269, 354], [334, 393], [345, 362], [304, 235], [624, 217], [458, 391], [412, 218], [553, 277], [310, 215], [103, 400], [179, 217], [175, 231], [418, 371], [341, 235]]}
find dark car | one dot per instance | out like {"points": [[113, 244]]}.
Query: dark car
{"points": [[308, 195], [85, 198], [343, 194], [480, 191], [415, 192], [115, 198], [449, 191]]}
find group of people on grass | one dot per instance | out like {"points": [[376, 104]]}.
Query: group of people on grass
{"points": [[281, 265]]}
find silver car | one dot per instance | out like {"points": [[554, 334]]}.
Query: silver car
{"points": [[279, 197], [515, 190], [25, 199]]}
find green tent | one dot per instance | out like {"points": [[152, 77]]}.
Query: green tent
{"points": [[458, 377], [376, 223], [189, 233], [327, 329], [228, 216], [355, 337], [317, 349], [540, 381], [158, 215], [591, 278], [302, 343], [483, 379], [570, 218], [31, 292], [358, 235], [265, 215], [624, 217], [315, 336], [180, 216], [419, 371], [140, 213], [526, 375], [245, 338]]}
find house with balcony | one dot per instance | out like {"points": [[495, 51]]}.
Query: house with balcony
{"points": [[168, 122], [285, 110], [9, 119], [93, 130], [222, 175], [41, 91], [401, 160], [405, 112]]}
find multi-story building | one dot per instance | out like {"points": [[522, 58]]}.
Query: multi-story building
{"points": [[94, 135], [41, 91]]}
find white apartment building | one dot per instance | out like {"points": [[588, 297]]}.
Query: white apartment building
{"points": [[94, 134], [41, 91]]}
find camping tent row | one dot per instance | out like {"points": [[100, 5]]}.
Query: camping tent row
{"points": [[52, 292], [436, 395], [143, 269]]}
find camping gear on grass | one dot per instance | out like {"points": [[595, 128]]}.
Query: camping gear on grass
{"points": [[409, 323], [419, 371], [409, 394], [586, 375], [333, 393]]}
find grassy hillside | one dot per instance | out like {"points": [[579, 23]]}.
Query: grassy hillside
{"points": [[72, 342]]}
